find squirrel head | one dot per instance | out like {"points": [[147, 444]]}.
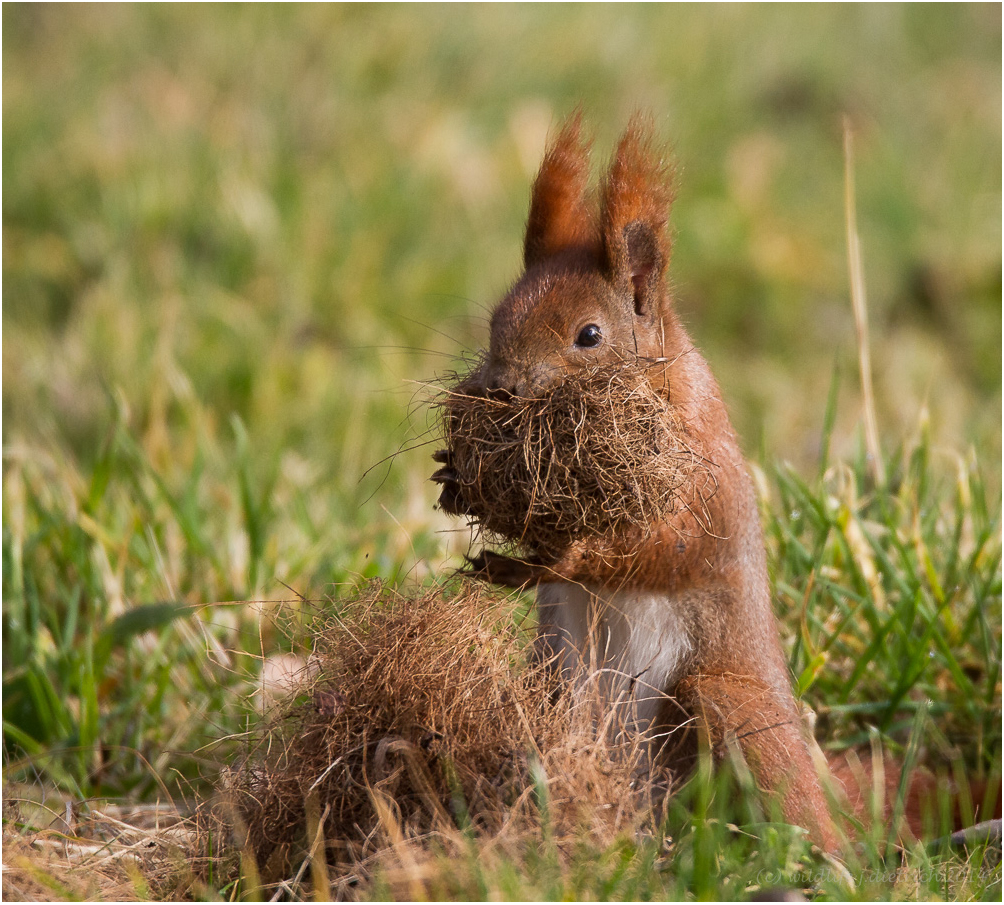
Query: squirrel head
{"points": [[593, 290]]}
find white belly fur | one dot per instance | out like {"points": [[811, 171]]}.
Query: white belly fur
{"points": [[637, 639]]}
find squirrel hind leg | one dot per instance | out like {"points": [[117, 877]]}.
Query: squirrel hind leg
{"points": [[744, 714]]}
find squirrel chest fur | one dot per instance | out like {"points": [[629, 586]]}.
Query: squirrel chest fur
{"points": [[674, 606]]}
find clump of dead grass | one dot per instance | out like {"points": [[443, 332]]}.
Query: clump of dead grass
{"points": [[423, 715], [600, 452]]}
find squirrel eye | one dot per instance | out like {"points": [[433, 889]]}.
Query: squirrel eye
{"points": [[589, 336]]}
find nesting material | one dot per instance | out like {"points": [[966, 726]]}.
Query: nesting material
{"points": [[423, 715], [600, 452]]}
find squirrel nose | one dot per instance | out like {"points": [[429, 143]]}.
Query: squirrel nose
{"points": [[502, 386]]}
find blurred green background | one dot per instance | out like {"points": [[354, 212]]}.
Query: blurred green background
{"points": [[292, 213], [240, 243], [295, 213], [298, 217]]}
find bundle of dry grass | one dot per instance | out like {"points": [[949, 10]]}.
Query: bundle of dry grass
{"points": [[422, 715], [601, 451]]}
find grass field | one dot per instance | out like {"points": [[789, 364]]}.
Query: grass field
{"points": [[241, 243]]}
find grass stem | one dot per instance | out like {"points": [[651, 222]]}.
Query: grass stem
{"points": [[860, 306]]}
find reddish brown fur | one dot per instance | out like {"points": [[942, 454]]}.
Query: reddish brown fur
{"points": [[559, 218], [869, 786], [707, 564], [638, 188]]}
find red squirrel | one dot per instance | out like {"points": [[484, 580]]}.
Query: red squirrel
{"points": [[680, 611]]}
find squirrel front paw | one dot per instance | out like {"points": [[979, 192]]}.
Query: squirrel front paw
{"points": [[503, 570], [450, 499]]}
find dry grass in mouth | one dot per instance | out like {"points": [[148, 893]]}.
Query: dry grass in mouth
{"points": [[424, 715], [602, 451]]}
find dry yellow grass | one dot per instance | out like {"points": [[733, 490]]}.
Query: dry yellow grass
{"points": [[421, 720], [108, 853]]}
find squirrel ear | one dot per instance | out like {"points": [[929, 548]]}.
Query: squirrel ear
{"points": [[636, 197], [559, 217]]}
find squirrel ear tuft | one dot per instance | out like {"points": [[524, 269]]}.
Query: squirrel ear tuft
{"points": [[635, 201], [559, 217]]}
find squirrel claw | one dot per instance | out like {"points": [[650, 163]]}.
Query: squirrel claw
{"points": [[450, 499]]}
